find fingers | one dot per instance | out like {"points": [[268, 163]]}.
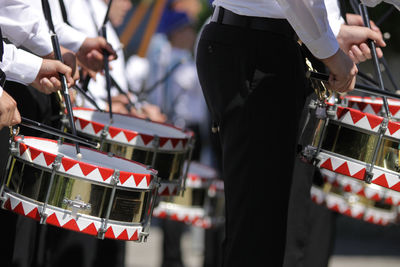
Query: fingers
{"points": [[17, 118], [375, 36], [9, 114], [361, 53], [112, 53], [67, 71]]}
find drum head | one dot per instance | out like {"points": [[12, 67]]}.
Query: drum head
{"points": [[130, 130]]}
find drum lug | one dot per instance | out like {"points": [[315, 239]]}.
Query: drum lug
{"points": [[384, 125], [56, 166], [309, 154], [368, 177], [76, 205], [143, 236], [103, 135], [103, 228]]}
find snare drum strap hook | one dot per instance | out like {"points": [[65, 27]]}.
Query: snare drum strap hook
{"points": [[319, 87]]}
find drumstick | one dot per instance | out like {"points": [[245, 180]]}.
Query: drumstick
{"points": [[358, 87], [91, 100], [57, 53], [365, 17], [53, 131], [106, 62]]}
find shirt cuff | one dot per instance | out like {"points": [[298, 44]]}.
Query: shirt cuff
{"points": [[71, 38], [22, 66]]}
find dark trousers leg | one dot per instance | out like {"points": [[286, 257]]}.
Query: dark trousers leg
{"points": [[257, 100], [171, 249], [8, 220]]}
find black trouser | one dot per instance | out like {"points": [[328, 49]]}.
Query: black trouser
{"points": [[311, 227], [253, 82]]}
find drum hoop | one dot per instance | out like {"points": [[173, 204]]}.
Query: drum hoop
{"points": [[184, 141], [371, 100], [383, 193], [345, 110], [358, 162], [366, 208], [95, 182], [149, 149], [98, 220], [150, 175]]}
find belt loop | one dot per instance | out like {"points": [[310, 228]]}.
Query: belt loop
{"points": [[221, 12]]}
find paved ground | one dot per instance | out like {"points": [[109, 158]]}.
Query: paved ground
{"points": [[148, 254]]}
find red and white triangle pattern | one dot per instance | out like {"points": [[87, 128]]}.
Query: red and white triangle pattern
{"points": [[369, 191], [356, 210], [82, 224], [130, 137], [196, 181], [190, 215], [357, 170], [168, 189], [83, 170], [366, 121], [373, 105]]}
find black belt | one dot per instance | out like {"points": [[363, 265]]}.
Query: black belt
{"points": [[227, 17]]}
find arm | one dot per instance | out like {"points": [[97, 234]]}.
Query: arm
{"points": [[309, 20], [24, 67], [353, 36], [25, 26]]}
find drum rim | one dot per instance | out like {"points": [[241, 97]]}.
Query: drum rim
{"points": [[365, 208], [188, 134], [383, 192], [145, 148], [85, 179], [355, 161], [342, 111], [139, 226], [151, 172]]}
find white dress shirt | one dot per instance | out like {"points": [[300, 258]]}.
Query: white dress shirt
{"points": [[67, 36], [19, 65], [307, 17], [25, 26]]}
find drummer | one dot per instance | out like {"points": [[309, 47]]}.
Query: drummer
{"points": [[311, 227]]}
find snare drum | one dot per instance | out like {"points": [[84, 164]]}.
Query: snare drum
{"points": [[369, 191], [161, 146], [99, 195], [359, 145], [195, 206], [353, 205]]}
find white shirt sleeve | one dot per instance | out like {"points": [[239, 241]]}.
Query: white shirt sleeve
{"points": [[309, 19], [1, 91], [19, 65], [25, 26], [67, 36]]}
